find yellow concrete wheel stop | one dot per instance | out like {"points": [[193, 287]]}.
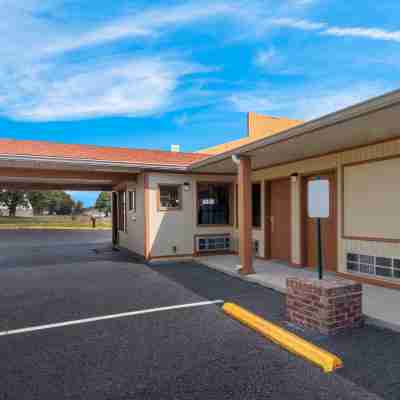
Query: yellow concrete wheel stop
{"points": [[289, 341]]}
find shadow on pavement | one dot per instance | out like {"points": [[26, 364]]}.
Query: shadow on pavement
{"points": [[371, 355]]}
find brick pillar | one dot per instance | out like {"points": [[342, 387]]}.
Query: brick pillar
{"points": [[328, 305], [245, 216]]}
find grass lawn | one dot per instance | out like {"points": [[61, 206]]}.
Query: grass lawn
{"points": [[53, 222]]}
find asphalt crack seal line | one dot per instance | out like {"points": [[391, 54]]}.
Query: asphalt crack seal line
{"points": [[291, 342], [106, 317]]}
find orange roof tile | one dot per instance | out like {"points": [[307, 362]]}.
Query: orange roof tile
{"points": [[12, 147]]}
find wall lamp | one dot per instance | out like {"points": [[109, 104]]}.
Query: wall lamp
{"points": [[186, 186], [236, 159], [294, 177]]}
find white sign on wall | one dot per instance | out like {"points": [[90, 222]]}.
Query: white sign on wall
{"points": [[318, 198]]}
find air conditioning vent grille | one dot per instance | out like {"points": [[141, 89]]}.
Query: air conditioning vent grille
{"points": [[213, 243], [383, 267]]}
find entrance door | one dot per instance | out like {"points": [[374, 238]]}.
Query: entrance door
{"points": [[328, 228], [280, 219]]}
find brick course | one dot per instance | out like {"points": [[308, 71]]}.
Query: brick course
{"points": [[328, 306]]}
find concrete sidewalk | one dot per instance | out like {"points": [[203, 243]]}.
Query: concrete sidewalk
{"points": [[380, 305]]}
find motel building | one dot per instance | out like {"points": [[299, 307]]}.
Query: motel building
{"points": [[246, 200]]}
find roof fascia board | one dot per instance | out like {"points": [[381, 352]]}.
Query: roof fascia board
{"points": [[349, 113], [89, 162]]}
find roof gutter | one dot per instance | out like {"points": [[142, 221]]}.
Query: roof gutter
{"points": [[349, 113], [95, 163]]}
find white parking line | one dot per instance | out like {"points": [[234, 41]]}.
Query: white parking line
{"points": [[104, 317]]}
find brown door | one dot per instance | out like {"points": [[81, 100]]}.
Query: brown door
{"points": [[280, 219], [328, 228]]}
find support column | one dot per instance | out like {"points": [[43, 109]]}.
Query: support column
{"points": [[245, 216], [114, 210]]}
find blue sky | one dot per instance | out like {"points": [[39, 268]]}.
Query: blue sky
{"points": [[149, 74]]}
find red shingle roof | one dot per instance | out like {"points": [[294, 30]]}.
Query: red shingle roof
{"points": [[13, 147]]}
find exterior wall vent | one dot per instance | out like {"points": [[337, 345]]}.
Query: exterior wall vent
{"points": [[382, 267], [205, 244]]}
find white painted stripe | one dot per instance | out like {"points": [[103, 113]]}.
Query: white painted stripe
{"points": [[105, 317]]}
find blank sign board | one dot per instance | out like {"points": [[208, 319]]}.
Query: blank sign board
{"points": [[318, 198]]}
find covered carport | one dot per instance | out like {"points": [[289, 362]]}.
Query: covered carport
{"points": [[38, 175], [34, 165]]}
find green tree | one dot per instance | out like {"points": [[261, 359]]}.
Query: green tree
{"points": [[60, 203], [78, 208], [12, 199], [39, 201], [103, 203]]}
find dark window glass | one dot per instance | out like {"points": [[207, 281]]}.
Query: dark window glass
{"points": [[366, 259], [383, 271], [132, 200], [384, 261], [256, 202], [396, 263], [213, 204], [366, 268], [169, 197], [396, 274], [352, 257], [352, 266]]}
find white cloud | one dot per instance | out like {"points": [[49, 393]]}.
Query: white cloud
{"points": [[266, 58], [129, 87], [42, 79], [324, 29], [147, 24], [305, 102], [252, 101], [297, 24], [276, 63], [369, 33], [41, 86]]}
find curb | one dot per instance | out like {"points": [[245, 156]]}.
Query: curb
{"points": [[369, 320], [288, 340]]}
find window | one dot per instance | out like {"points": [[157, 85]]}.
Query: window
{"points": [[213, 203], [122, 211], [169, 197], [256, 204], [132, 200]]}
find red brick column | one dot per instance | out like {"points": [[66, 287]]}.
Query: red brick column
{"points": [[328, 306]]}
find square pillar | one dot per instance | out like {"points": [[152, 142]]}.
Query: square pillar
{"points": [[245, 216], [114, 211], [328, 306]]}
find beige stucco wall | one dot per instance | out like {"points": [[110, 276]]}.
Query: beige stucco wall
{"points": [[177, 228], [133, 239], [336, 161]]}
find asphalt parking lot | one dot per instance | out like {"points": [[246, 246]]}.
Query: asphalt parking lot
{"points": [[193, 353]]}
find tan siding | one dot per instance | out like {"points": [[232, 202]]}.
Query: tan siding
{"points": [[371, 199], [334, 161]]}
